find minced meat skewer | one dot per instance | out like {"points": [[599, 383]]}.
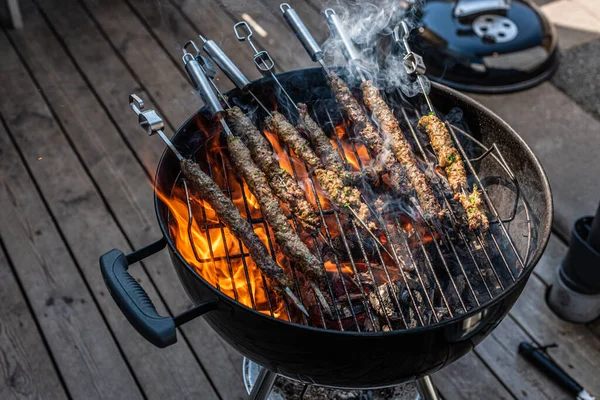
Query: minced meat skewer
{"points": [[284, 186], [323, 147], [209, 191], [341, 196], [391, 128], [449, 158], [288, 240], [331, 158], [378, 149]]}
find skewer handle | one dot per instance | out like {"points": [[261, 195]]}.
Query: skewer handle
{"points": [[224, 62], [200, 81], [303, 34], [262, 59], [151, 122], [335, 25]]}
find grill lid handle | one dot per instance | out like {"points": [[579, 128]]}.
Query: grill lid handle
{"points": [[134, 302]]}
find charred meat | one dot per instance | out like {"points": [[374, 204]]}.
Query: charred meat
{"points": [[341, 195], [288, 240], [391, 130], [331, 158], [449, 158], [209, 191], [284, 186], [378, 149], [323, 148]]}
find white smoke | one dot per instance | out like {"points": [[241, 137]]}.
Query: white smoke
{"points": [[369, 24]]}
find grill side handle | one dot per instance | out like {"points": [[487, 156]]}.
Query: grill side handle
{"points": [[134, 302]]}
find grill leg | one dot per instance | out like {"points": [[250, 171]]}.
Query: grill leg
{"points": [[426, 389], [263, 385]]}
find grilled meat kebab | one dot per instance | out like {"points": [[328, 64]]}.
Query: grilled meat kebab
{"points": [[288, 240], [331, 158], [449, 158], [391, 130], [341, 195], [323, 147], [284, 186], [378, 149], [209, 191]]}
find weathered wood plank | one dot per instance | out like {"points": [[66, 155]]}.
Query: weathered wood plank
{"points": [[89, 360], [162, 373], [546, 270], [280, 41], [220, 361], [469, 378], [578, 349], [172, 30], [144, 56], [499, 351], [109, 77], [313, 19], [26, 369]]}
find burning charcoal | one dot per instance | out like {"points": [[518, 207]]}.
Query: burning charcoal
{"points": [[368, 244], [412, 321], [345, 310], [442, 313], [365, 279], [387, 307], [372, 326], [412, 282], [453, 298]]}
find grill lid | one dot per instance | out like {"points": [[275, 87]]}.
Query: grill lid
{"points": [[492, 51]]}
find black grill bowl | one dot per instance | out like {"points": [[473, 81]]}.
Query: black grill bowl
{"points": [[352, 359]]}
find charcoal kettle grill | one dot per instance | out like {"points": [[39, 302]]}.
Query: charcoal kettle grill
{"points": [[333, 358], [462, 293], [486, 46]]}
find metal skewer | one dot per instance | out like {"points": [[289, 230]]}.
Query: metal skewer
{"points": [[230, 69], [348, 48], [265, 64], [413, 63], [262, 59], [152, 123], [241, 78], [202, 80]]}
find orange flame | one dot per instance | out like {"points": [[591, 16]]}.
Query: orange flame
{"points": [[351, 151], [217, 255], [206, 247]]}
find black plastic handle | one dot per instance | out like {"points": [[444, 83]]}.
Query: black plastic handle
{"points": [[537, 357], [134, 302]]}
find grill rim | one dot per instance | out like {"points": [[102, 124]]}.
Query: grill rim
{"points": [[544, 233]]}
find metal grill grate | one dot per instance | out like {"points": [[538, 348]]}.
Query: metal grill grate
{"points": [[431, 284]]}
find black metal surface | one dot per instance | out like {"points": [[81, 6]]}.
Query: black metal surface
{"points": [[579, 270], [364, 359], [537, 357], [455, 56]]}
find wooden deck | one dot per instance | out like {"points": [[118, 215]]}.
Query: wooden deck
{"points": [[75, 181]]}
